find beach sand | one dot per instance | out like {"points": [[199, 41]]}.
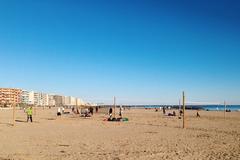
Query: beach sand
{"points": [[147, 135]]}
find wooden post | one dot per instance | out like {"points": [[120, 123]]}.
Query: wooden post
{"points": [[224, 109], [13, 105], [179, 109], [184, 125], [114, 113], [35, 111]]}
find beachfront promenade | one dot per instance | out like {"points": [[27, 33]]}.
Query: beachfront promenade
{"points": [[147, 135]]}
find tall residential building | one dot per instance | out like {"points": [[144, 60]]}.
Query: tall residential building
{"points": [[59, 100], [73, 101], [10, 96], [44, 99], [70, 101], [37, 99], [27, 97], [78, 103], [51, 101], [67, 101], [40, 99]]}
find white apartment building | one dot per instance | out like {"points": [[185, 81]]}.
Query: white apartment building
{"points": [[73, 101], [44, 99], [80, 102], [27, 97], [40, 99], [51, 100], [67, 101], [37, 99]]}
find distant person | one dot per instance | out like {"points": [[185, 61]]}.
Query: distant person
{"points": [[228, 110], [164, 110], [29, 114], [91, 110], [110, 112], [59, 111], [198, 115], [96, 109], [120, 111], [78, 111], [181, 112], [174, 113], [63, 110]]}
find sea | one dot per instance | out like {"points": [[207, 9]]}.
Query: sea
{"points": [[221, 107], [202, 107]]}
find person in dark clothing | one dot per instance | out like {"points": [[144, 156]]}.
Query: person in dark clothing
{"points": [[91, 110], [198, 115], [164, 110], [174, 113], [181, 112], [110, 112], [96, 109]]}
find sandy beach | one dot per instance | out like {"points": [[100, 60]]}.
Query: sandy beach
{"points": [[147, 135]]}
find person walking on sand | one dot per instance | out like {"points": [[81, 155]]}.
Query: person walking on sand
{"points": [[29, 114]]}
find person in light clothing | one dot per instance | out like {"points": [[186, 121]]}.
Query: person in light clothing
{"points": [[59, 111]]}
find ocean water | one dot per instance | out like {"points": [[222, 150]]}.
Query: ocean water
{"points": [[221, 107], [204, 107]]}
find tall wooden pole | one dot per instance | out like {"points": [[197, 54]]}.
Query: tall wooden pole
{"points": [[179, 105], [35, 110], [224, 109], [13, 105], [114, 99], [184, 125]]}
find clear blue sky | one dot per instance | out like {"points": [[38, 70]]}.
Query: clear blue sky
{"points": [[141, 51]]}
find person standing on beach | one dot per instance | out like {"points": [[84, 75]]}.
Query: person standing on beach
{"points": [[110, 112], [164, 111], [91, 110], [59, 111], [120, 111], [198, 115], [29, 114]]}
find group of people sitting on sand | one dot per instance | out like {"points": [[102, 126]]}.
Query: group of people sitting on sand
{"points": [[174, 113], [85, 112], [61, 110], [110, 112]]}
